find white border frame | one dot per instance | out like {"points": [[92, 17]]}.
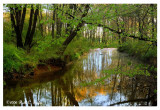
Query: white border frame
{"points": [[77, 1]]}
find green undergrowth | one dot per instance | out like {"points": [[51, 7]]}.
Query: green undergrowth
{"points": [[44, 48], [82, 45], [113, 44], [13, 58], [77, 48], [16, 59], [141, 49]]}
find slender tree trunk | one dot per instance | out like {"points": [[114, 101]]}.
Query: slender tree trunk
{"points": [[152, 17], [18, 32], [40, 18], [132, 22], [59, 24], [23, 18], [34, 25], [29, 27], [140, 26], [123, 30], [118, 28], [46, 30], [54, 18]]}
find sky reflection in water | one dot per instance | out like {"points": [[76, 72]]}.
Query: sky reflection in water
{"points": [[67, 89]]}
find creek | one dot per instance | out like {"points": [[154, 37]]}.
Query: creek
{"points": [[102, 77]]}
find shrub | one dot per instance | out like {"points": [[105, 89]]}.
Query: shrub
{"points": [[13, 58], [141, 49]]}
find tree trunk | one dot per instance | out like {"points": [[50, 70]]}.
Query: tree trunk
{"points": [[40, 18], [118, 28], [31, 28], [17, 19], [140, 26], [53, 24], [34, 25], [59, 25], [152, 17], [74, 32], [47, 23], [69, 28]]}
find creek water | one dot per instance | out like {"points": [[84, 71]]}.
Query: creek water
{"points": [[103, 77]]}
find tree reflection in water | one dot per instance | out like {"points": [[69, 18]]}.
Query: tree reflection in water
{"points": [[65, 88]]}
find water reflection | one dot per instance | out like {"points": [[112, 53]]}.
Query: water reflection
{"points": [[65, 87]]}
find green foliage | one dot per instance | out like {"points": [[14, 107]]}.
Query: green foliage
{"points": [[141, 49], [96, 44], [107, 44], [47, 47], [151, 53], [13, 58], [113, 44], [75, 49], [8, 35], [129, 63]]}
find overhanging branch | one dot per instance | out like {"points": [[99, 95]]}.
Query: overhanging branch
{"points": [[131, 36], [115, 31]]}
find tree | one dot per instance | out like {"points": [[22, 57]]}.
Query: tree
{"points": [[59, 23], [54, 19], [74, 32], [31, 27], [40, 19], [17, 18]]}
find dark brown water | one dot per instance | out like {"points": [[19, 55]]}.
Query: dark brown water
{"points": [[103, 77]]}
